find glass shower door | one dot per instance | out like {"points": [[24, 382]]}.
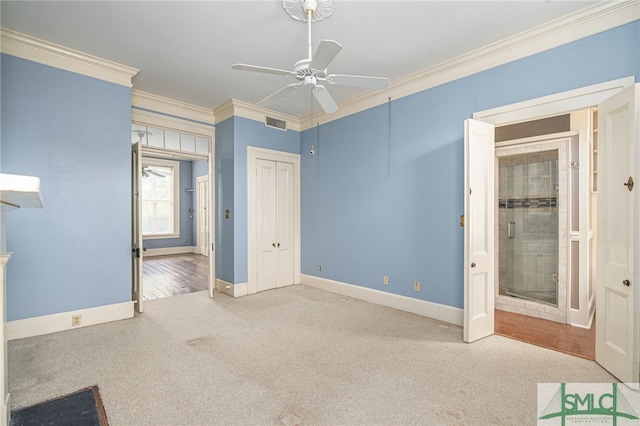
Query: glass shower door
{"points": [[528, 220]]}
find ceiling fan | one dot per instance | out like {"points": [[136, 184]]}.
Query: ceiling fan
{"points": [[146, 171], [313, 69]]}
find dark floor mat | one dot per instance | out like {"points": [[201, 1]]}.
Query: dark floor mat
{"points": [[83, 407]]}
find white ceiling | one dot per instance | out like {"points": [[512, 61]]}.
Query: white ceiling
{"points": [[184, 50]]}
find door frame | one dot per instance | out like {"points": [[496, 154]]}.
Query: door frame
{"points": [[253, 154], [555, 104]]}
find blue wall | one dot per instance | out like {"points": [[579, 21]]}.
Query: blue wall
{"points": [[71, 131], [362, 219], [233, 136], [224, 200]]}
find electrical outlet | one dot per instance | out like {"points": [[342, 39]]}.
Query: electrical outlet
{"points": [[416, 285], [76, 320], [385, 280], [319, 268]]}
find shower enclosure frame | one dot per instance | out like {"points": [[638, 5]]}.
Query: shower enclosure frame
{"points": [[562, 144]]}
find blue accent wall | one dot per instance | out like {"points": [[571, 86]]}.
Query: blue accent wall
{"points": [[73, 132], [363, 217]]}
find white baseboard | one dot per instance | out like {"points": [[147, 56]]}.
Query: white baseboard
{"points": [[20, 329], [420, 307], [170, 250], [233, 290]]}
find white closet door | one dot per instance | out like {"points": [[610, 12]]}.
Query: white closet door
{"points": [[266, 226], [284, 224]]}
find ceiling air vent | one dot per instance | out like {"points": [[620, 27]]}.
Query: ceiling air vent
{"points": [[276, 124]]}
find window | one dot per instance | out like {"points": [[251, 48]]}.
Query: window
{"points": [[160, 198]]}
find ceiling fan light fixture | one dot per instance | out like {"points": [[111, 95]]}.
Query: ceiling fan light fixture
{"points": [[299, 9]]}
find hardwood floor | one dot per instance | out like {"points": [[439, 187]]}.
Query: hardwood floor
{"points": [[549, 334], [166, 276]]}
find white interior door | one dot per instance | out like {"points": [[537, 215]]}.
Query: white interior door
{"points": [[274, 227], [136, 227], [211, 221], [617, 313], [266, 208], [479, 223], [202, 222], [284, 224]]}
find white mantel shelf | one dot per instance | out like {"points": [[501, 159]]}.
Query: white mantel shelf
{"points": [[19, 191]]}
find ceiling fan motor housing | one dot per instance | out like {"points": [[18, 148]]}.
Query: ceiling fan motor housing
{"points": [[309, 6]]}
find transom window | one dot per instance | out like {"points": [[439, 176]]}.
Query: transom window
{"points": [[160, 198]]}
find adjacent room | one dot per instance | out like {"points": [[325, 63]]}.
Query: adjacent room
{"points": [[318, 211]]}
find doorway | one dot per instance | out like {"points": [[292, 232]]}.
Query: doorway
{"points": [[174, 206], [166, 167], [617, 103]]}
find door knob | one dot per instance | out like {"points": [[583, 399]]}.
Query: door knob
{"points": [[627, 283], [473, 264], [273, 244]]}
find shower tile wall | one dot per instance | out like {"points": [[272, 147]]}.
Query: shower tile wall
{"points": [[534, 204], [531, 204]]}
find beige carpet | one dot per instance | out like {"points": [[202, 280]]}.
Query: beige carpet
{"points": [[295, 355]]}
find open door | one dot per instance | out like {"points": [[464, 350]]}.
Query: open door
{"points": [[618, 250], [202, 217], [479, 223], [211, 225], [136, 228]]}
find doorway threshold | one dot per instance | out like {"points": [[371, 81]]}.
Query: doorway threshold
{"points": [[552, 335]]}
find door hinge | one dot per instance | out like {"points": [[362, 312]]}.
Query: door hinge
{"points": [[213, 247]]}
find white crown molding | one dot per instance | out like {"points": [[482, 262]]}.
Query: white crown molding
{"points": [[235, 107], [43, 52], [583, 23], [166, 106]]}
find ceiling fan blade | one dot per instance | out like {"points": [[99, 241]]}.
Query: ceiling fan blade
{"points": [[279, 94], [266, 70], [152, 172], [358, 81], [324, 99], [327, 50]]}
